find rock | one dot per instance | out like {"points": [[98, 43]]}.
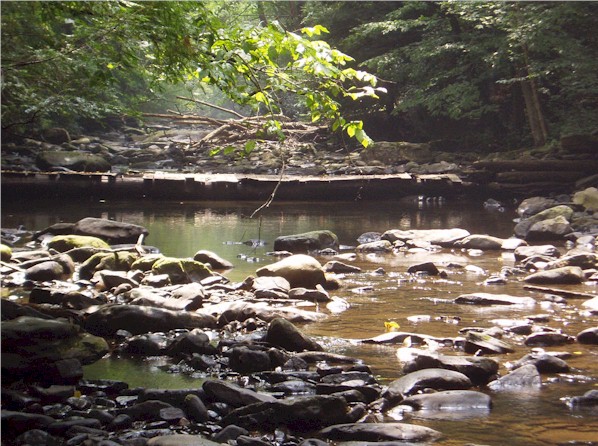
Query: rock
{"points": [[380, 432], [493, 299], [271, 283], [481, 241], [583, 260], [111, 231], [108, 319], [334, 266], [247, 360], [215, 261], [31, 346], [76, 161], [564, 275], [181, 440], [63, 243], [591, 304], [588, 336], [147, 296], [543, 362], [283, 333], [181, 270], [300, 270], [549, 229], [512, 243], [484, 343], [522, 228], [368, 237], [533, 205], [397, 152], [588, 399], [430, 378], [15, 423], [523, 378], [588, 198], [377, 246], [427, 268], [478, 369], [308, 241], [56, 135], [301, 414], [449, 400], [233, 395], [524, 252], [148, 410], [441, 237], [113, 279], [46, 271], [195, 409], [117, 261], [317, 295], [196, 341], [548, 339], [229, 433]]}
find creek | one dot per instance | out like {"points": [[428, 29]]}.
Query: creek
{"points": [[181, 229]]}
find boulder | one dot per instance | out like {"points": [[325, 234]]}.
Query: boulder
{"points": [[77, 161], [249, 360], [449, 400], [493, 299], [46, 271], [523, 252], [380, 432], [32, 346], [148, 296], [548, 339], [377, 246], [543, 363], [111, 231], [588, 198], [549, 229], [181, 270], [441, 237], [588, 336], [63, 243], [215, 261], [300, 270], [525, 377], [56, 135], [113, 261], [426, 268], [533, 205], [522, 228], [308, 241], [301, 414], [283, 333], [564, 275], [481, 241], [233, 395], [108, 319], [432, 378]]}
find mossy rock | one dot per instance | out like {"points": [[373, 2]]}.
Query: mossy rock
{"points": [[63, 243], [5, 252], [588, 198], [113, 261], [146, 263], [181, 270]]}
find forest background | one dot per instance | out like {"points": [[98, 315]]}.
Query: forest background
{"points": [[483, 76]]}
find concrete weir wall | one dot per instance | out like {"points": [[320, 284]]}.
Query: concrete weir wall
{"points": [[16, 185]]}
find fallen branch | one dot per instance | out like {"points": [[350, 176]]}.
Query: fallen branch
{"points": [[217, 107]]}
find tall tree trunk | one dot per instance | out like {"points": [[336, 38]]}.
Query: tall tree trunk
{"points": [[261, 12], [533, 110]]}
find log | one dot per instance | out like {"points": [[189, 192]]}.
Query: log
{"points": [[538, 165]]}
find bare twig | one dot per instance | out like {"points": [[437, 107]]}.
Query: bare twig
{"points": [[217, 107]]}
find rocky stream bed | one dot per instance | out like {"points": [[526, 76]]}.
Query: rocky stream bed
{"points": [[75, 292]]}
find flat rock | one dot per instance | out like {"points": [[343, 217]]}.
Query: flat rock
{"points": [[525, 377], [564, 275], [449, 400], [442, 237], [433, 378], [380, 432], [493, 299]]}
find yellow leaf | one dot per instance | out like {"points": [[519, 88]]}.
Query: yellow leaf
{"points": [[391, 326]]}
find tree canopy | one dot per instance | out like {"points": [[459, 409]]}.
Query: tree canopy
{"points": [[484, 74], [65, 62]]}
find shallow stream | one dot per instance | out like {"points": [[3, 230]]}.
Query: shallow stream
{"points": [[181, 229]]}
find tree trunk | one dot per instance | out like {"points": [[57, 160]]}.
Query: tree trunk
{"points": [[533, 111]]}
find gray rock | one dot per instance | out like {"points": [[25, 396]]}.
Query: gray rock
{"points": [[74, 161], [109, 230], [233, 395], [300, 270], [376, 432], [213, 259], [368, 237], [15, 423], [309, 241], [533, 205], [108, 319], [378, 246], [549, 229], [195, 409], [484, 343], [588, 336], [247, 360], [548, 339], [449, 400], [543, 362], [148, 410], [481, 241], [427, 268], [334, 266], [493, 299], [317, 295], [181, 440], [432, 378], [478, 369], [30, 346], [564, 275], [283, 333], [441, 237], [524, 252], [46, 271], [522, 228], [588, 399], [524, 377]]}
